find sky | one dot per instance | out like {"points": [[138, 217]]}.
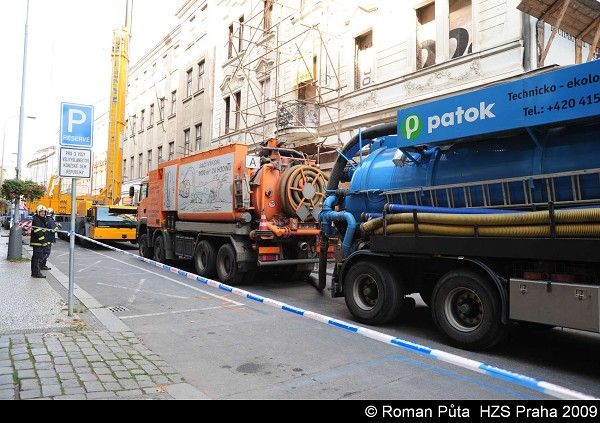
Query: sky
{"points": [[68, 59]]}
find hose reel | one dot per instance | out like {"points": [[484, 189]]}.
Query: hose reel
{"points": [[302, 191]]}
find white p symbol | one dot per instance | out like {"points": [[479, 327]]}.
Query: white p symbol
{"points": [[73, 121]]}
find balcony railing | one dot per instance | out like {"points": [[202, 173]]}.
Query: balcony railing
{"points": [[297, 114]]}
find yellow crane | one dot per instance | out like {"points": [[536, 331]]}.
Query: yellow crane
{"points": [[100, 216]]}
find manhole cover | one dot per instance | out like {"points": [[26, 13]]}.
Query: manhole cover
{"points": [[118, 309]]}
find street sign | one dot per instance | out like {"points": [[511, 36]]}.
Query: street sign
{"points": [[76, 125], [252, 162], [75, 163]]}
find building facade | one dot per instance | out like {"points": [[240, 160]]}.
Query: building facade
{"points": [[311, 72]]}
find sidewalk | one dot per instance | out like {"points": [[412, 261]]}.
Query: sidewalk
{"points": [[44, 354]]}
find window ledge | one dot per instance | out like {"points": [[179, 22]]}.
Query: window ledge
{"points": [[197, 93], [188, 98], [171, 116], [140, 131], [150, 126], [160, 121]]}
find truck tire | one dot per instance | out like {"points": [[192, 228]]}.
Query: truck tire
{"points": [[159, 249], [144, 247], [204, 259], [372, 293], [81, 231], [466, 307], [227, 268]]}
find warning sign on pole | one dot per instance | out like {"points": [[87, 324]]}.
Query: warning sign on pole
{"points": [[75, 163]]}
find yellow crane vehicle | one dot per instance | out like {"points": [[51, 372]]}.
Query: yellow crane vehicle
{"points": [[100, 217]]}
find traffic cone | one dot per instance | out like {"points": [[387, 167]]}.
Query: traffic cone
{"points": [[263, 229]]}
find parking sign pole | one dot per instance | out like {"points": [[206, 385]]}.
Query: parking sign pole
{"points": [[72, 245]]}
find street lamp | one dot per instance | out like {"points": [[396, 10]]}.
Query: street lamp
{"points": [[15, 240], [2, 169]]}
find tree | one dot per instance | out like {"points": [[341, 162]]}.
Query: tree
{"points": [[28, 190]]}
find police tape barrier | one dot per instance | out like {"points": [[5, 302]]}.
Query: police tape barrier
{"points": [[476, 366]]}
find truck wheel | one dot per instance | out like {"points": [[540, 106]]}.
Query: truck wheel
{"points": [[159, 249], [81, 231], [144, 246], [227, 268], [466, 308], [204, 259], [372, 294]]}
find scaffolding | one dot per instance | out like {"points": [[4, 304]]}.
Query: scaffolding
{"points": [[286, 64]]}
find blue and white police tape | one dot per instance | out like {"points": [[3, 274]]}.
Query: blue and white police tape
{"points": [[479, 367]]}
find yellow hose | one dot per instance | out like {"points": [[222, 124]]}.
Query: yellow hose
{"points": [[531, 231], [508, 219]]}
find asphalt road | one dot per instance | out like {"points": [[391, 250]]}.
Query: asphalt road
{"points": [[230, 347]]}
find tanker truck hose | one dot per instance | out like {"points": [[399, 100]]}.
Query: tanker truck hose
{"points": [[351, 148], [323, 247], [531, 231], [514, 219]]}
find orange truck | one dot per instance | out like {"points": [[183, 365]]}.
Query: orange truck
{"points": [[234, 214]]}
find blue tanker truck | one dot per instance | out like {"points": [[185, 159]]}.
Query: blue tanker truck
{"points": [[486, 203]]}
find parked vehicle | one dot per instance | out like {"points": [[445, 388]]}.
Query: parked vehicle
{"points": [[485, 203], [233, 213]]}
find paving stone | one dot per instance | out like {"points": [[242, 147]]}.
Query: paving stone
{"points": [[51, 390], [106, 378], [133, 393], [28, 384], [47, 365], [42, 374], [6, 371], [89, 351], [64, 376], [49, 381], [39, 351], [76, 356], [61, 361], [93, 386], [112, 386], [108, 356], [119, 369], [94, 358], [30, 394], [73, 390], [128, 383], [71, 383], [29, 373], [7, 394], [103, 371], [19, 357], [64, 368], [71, 397], [42, 358], [153, 371], [79, 362], [101, 395], [123, 375], [146, 383], [138, 372], [88, 377], [161, 380]]}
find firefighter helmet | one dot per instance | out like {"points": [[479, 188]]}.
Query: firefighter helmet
{"points": [[40, 208]]}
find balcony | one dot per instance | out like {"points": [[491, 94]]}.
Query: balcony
{"points": [[297, 120]]}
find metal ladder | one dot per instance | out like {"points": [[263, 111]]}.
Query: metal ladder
{"points": [[518, 192]]}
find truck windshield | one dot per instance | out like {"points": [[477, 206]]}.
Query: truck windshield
{"points": [[115, 217]]}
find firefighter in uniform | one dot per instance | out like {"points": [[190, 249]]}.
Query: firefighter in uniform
{"points": [[39, 241], [50, 236]]}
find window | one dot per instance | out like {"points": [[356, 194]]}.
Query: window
{"points": [[238, 109], [124, 168], [426, 36], [171, 150], [160, 156], [198, 144], [267, 15], [126, 126], [131, 175], [227, 113], [241, 35], [186, 142], [140, 164], [265, 92], [188, 87], [173, 102], [460, 28], [363, 61], [201, 76], [161, 108], [133, 118], [230, 43], [142, 115], [151, 122], [149, 160]]}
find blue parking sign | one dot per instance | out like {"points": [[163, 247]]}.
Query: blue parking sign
{"points": [[76, 125]]}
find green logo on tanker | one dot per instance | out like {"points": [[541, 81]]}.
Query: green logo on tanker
{"points": [[411, 127]]}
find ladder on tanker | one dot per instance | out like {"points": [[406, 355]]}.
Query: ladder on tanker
{"points": [[576, 188]]}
